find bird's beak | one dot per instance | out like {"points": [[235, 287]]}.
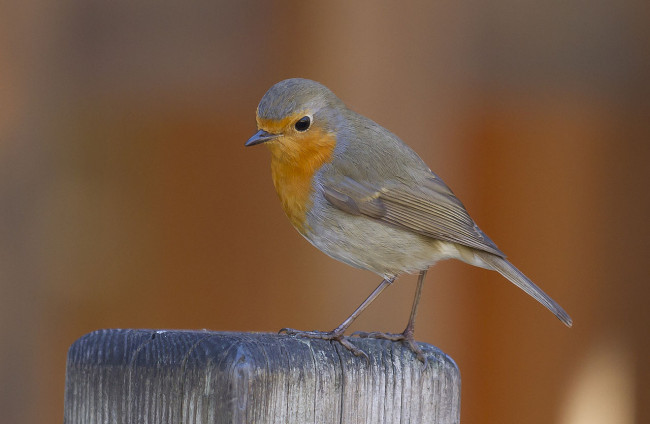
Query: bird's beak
{"points": [[260, 137]]}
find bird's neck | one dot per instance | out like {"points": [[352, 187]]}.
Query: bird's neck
{"points": [[293, 166]]}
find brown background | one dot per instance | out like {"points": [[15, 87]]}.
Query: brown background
{"points": [[128, 200]]}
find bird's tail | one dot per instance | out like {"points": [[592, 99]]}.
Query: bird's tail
{"points": [[518, 278]]}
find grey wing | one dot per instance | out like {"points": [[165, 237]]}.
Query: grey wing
{"points": [[431, 209]]}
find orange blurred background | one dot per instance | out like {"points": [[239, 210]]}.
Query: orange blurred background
{"points": [[127, 198]]}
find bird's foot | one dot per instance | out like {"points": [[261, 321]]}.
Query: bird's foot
{"points": [[326, 335], [406, 337]]}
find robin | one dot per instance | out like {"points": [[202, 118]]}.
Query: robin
{"points": [[362, 196]]}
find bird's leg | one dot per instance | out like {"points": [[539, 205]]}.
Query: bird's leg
{"points": [[407, 336], [337, 333], [409, 331]]}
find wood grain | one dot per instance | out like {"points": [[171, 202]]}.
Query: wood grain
{"points": [[149, 376]]}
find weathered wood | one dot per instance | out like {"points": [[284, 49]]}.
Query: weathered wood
{"points": [[148, 376]]}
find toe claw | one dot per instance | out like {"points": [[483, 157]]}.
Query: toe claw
{"points": [[417, 350], [352, 348]]}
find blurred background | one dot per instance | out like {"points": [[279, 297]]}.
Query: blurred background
{"points": [[127, 198]]}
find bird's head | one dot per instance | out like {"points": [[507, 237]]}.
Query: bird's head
{"points": [[297, 119]]}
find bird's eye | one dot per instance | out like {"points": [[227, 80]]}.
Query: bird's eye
{"points": [[303, 124]]}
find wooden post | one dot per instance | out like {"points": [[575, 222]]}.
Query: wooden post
{"points": [[148, 376]]}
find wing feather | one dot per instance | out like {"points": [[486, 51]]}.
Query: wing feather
{"points": [[430, 209]]}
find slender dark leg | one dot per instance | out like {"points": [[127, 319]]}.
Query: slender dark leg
{"points": [[407, 336], [409, 331], [337, 333], [410, 327]]}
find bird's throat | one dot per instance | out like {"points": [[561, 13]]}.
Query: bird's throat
{"points": [[294, 162]]}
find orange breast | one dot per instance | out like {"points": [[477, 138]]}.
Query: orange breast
{"points": [[294, 161]]}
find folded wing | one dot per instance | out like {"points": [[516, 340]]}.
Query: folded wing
{"points": [[431, 209]]}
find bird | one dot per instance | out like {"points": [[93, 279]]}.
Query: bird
{"points": [[362, 196]]}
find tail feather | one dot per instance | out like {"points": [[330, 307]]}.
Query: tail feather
{"points": [[515, 276]]}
